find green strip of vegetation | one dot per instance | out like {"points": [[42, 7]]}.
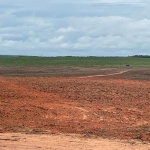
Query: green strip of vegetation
{"points": [[74, 61]]}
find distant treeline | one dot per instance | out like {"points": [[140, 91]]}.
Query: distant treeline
{"points": [[141, 56], [9, 56], [138, 56]]}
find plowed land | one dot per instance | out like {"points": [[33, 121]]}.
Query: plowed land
{"points": [[106, 107]]}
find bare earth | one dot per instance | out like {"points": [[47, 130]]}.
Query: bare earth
{"points": [[87, 108], [18, 141]]}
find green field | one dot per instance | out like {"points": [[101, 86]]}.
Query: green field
{"points": [[73, 61]]}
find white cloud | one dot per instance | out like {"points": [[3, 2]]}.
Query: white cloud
{"points": [[65, 45], [66, 30], [56, 40], [116, 1], [86, 27]]}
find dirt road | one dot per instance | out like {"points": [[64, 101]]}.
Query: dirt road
{"points": [[101, 75]]}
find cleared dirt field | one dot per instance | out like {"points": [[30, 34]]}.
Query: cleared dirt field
{"points": [[101, 102]]}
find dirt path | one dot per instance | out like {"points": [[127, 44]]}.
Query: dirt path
{"points": [[16, 141], [121, 72]]}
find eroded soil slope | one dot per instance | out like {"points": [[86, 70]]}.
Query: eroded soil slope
{"points": [[115, 108]]}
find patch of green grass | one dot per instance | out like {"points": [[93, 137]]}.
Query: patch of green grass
{"points": [[73, 61]]}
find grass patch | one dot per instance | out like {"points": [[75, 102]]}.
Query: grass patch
{"points": [[73, 61]]}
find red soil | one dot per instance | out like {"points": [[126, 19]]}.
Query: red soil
{"points": [[115, 108]]}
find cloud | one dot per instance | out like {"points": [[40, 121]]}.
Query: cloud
{"points": [[66, 30], [117, 1], [88, 27], [56, 40]]}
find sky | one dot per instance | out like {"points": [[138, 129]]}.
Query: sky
{"points": [[75, 27]]}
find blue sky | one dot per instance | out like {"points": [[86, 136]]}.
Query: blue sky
{"points": [[75, 27]]}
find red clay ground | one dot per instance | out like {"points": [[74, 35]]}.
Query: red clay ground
{"points": [[106, 107]]}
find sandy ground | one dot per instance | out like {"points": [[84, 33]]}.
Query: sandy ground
{"points": [[12, 141]]}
